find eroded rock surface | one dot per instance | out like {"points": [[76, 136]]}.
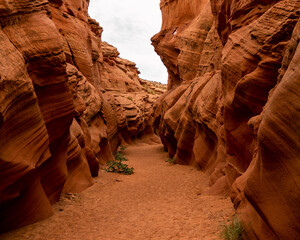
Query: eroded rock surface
{"points": [[66, 102], [232, 104]]}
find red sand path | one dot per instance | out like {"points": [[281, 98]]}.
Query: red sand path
{"points": [[159, 201]]}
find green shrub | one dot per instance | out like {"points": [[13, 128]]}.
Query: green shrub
{"points": [[117, 166], [120, 157], [170, 161], [233, 230], [122, 148]]}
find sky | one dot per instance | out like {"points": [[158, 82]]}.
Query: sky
{"points": [[129, 25]]}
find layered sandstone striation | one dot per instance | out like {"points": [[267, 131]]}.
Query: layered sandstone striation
{"points": [[66, 102], [231, 108]]}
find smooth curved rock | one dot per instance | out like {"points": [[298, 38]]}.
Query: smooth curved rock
{"points": [[41, 179], [230, 95]]}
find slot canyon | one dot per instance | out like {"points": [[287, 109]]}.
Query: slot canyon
{"points": [[228, 118]]}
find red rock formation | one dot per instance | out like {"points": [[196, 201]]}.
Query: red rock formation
{"points": [[35, 148], [268, 192], [230, 94], [57, 121]]}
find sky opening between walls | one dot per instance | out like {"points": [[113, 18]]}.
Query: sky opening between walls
{"points": [[129, 25]]}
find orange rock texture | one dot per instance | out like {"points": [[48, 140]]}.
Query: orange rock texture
{"points": [[232, 105], [66, 102]]}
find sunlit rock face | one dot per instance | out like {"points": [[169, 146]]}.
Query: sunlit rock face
{"points": [[66, 103], [231, 108]]}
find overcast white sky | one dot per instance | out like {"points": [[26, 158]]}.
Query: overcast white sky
{"points": [[129, 25]]}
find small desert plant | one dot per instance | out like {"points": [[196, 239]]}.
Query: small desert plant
{"points": [[120, 157], [170, 161], [122, 148], [130, 98], [119, 167], [233, 230]]}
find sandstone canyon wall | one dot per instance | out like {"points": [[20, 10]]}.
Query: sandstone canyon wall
{"points": [[66, 102], [232, 105]]}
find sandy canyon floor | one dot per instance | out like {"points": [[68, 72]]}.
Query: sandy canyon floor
{"points": [[159, 201]]}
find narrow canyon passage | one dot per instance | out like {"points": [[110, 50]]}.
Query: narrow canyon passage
{"points": [[159, 201]]}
